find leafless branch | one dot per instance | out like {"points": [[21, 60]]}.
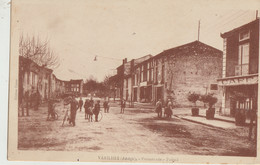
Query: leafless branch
{"points": [[39, 51]]}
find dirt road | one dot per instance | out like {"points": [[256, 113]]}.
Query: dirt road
{"points": [[136, 131]]}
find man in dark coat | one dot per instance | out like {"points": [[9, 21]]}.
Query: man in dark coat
{"points": [[91, 102], [105, 105], [96, 110], [80, 103], [73, 110], [159, 108], [123, 106], [86, 106]]}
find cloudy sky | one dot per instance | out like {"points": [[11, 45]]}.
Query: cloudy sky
{"points": [[79, 30]]}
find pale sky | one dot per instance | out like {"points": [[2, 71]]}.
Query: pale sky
{"points": [[79, 30]]}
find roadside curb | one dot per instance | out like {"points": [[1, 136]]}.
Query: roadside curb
{"points": [[229, 121], [209, 125]]}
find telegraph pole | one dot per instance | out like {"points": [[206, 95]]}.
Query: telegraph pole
{"points": [[199, 30], [256, 14]]}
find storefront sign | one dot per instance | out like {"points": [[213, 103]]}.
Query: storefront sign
{"points": [[239, 81]]}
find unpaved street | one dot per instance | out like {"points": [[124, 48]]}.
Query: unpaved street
{"points": [[136, 131]]}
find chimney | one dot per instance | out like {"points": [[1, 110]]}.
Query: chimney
{"points": [[124, 60]]}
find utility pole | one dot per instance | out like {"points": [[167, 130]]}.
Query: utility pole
{"points": [[199, 30], [256, 14]]}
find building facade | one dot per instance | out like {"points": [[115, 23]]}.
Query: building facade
{"points": [[240, 68], [33, 78], [74, 86], [125, 77], [173, 73], [37, 79]]}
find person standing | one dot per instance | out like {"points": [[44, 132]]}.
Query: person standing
{"points": [[73, 110], [168, 109], [122, 106], [86, 106], [80, 103], [96, 110], [105, 106], [51, 107], [108, 106], [91, 102], [159, 108]]}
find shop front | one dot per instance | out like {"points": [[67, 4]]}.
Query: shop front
{"points": [[240, 94], [145, 92]]}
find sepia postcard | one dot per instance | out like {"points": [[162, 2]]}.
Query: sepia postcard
{"points": [[136, 81]]}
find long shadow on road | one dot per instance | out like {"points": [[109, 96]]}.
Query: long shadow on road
{"points": [[168, 127], [198, 139]]}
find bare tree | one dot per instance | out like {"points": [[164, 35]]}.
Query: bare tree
{"points": [[38, 51]]}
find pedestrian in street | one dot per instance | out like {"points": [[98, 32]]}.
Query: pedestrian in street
{"points": [[86, 106], [90, 113], [37, 99], [51, 111], [105, 105], [80, 104], [91, 102], [159, 108], [96, 110], [73, 110], [108, 106], [123, 106], [168, 109]]}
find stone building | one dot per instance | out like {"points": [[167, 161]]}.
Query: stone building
{"points": [[173, 73], [240, 68], [37, 79], [33, 78]]}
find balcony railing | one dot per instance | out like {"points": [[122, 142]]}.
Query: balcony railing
{"points": [[242, 69]]}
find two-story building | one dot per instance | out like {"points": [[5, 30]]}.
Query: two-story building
{"points": [[240, 68], [125, 77], [74, 86], [173, 73]]}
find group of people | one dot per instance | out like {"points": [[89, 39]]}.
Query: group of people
{"points": [[167, 108], [90, 109]]}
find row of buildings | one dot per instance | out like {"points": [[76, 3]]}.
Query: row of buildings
{"points": [[37, 79], [172, 74], [197, 67]]}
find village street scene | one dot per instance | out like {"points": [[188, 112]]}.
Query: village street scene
{"points": [[195, 96]]}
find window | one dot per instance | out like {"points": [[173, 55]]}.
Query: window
{"points": [[33, 79], [243, 60], [142, 73], [145, 72], [148, 75], [243, 54], [244, 35], [163, 73], [152, 74], [28, 77], [156, 74]]}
